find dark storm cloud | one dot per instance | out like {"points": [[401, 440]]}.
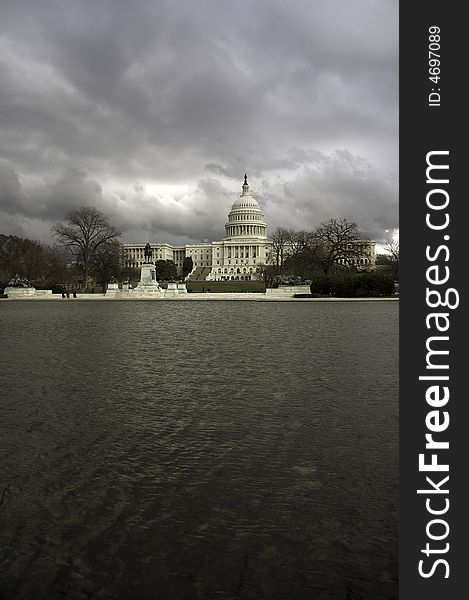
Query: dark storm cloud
{"points": [[10, 188], [338, 185], [98, 97]]}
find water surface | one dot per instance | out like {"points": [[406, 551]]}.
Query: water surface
{"points": [[230, 450]]}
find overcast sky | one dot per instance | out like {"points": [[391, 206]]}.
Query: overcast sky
{"points": [[153, 110]]}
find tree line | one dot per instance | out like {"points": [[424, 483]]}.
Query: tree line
{"points": [[31, 260], [334, 247], [87, 252], [333, 258], [88, 247]]}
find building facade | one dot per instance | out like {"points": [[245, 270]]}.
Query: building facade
{"points": [[238, 255], [362, 254]]}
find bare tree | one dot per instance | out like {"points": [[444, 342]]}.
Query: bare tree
{"points": [[40, 263], [299, 241], [281, 240], [85, 230], [128, 272], [58, 271], [392, 248], [266, 273], [337, 237], [106, 263], [305, 254]]}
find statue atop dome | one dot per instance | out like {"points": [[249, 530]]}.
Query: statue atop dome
{"points": [[245, 186]]}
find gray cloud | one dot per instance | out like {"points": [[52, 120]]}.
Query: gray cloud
{"points": [[338, 185], [153, 111]]}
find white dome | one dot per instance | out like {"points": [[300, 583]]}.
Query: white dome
{"points": [[246, 200], [246, 218]]}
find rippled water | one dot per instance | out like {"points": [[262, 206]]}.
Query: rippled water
{"points": [[168, 451]]}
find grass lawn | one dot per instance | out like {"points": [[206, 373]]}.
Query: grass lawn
{"points": [[226, 286]]}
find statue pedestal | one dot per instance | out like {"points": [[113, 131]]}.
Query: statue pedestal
{"points": [[148, 283], [175, 289], [113, 288], [289, 290], [172, 289], [19, 292]]}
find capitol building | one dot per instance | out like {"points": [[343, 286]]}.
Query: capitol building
{"points": [[238, 255]]}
